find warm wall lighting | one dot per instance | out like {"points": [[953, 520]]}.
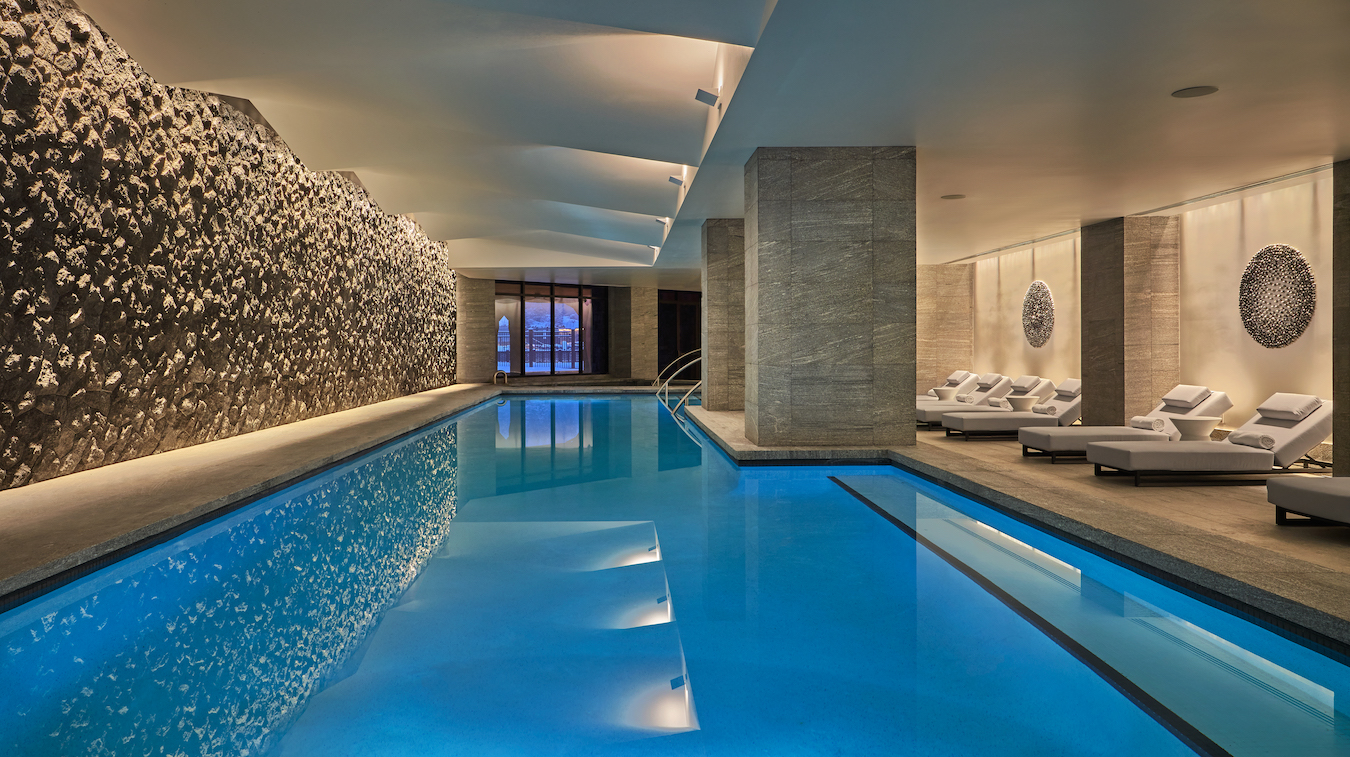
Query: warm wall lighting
{"points": [[1195, 91], [706, 97]]}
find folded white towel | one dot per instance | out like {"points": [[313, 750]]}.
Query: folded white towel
{"points": [[1252, 439], [1000, 402], [963, 398], [1147, 423], [1045, 409]]}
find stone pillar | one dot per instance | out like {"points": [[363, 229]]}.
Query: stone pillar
{"points": [[1131, 316], [475, 330], [1340, 317], [724, 314], [632, 332], [829, 296], [944, 323]]}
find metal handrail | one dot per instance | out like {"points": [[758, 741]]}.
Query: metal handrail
{"points": [[685, 398], [506, 378], [664, 391], [673, 362]]}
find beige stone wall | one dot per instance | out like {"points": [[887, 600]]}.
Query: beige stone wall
{"points": [[944, 323], [1216, 243], [1000, 285], [172, 274]]}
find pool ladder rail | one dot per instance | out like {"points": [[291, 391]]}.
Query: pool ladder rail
{"points": [[663, 390], [506, 378]]}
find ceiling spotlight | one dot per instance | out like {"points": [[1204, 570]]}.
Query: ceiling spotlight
{"points": [[677, 181], [953, 197], [655, 247], [706, 97], [1195, 91], [662, 221]]}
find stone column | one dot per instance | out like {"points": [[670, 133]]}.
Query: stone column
{"points": [[829, 296], [1340, 317], [724, 314], [475, 330], [632, 332], [944, 323], [1131, 316]]}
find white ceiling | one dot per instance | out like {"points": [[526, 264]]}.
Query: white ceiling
{"points": [[536, 136]]}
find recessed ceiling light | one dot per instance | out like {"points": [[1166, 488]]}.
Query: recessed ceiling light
{"points": [[953, 197], [677, 181], [1195, 91], [662, 221], [706, 97], [655, 247]]}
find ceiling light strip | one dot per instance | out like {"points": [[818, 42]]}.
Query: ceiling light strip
{"points": [[1235, 190], [1193, 200], [1012, 247]]}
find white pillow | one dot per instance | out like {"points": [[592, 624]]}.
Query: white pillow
{"points": [[1026, 383], [1186, 396], [988, 380], [956, 378], [1289, 407], [1069, 389]]}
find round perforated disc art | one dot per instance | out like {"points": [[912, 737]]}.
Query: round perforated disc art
{"points": [[1278, 296], [1038, 314]]}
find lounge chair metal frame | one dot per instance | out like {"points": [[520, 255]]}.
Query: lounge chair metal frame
{"points": [[1078, 457], [1282, 519], [1203, 477]]}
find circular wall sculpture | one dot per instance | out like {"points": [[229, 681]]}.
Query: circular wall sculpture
{"points": [[1278, 296], [1038, 314]]}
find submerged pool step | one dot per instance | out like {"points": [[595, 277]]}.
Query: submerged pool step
{"points": [[522, 637], [1257, 693]]}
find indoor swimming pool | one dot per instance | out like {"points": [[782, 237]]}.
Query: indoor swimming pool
{"points": [[585, 576]]}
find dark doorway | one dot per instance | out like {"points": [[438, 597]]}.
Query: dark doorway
{"points": [[679, 328]]}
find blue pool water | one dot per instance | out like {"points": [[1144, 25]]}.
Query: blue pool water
{"points": [[583, 576]]}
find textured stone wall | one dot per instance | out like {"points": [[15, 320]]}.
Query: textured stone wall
{"points": [[172, 274], [944, 323], [723, 308], [829, 296], [1131, 273]]}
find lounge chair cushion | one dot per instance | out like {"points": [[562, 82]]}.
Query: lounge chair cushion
{"points": [[1293, 439], [956, 378], [1179, 456], [1069, 389], [1320, 497], [988, 379], [1185, 396], [1289, 407], [1026, 383], [1010, 421], [1076, 438]]}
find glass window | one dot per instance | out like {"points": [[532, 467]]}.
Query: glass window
{"points": [[542, 328]]}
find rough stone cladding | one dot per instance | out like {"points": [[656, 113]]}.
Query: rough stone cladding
{"points": [[172, 274]]}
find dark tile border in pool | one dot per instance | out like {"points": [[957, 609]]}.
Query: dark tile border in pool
{"points": [[1178, 726]]}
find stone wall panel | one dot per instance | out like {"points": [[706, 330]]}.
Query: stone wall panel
{"points": [[172, 274]]}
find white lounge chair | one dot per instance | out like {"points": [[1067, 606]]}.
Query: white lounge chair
{"points": [[1284, 429], [962, 381], [1063, 408], [1321, 501], [987, 386], [1071, 441]]}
